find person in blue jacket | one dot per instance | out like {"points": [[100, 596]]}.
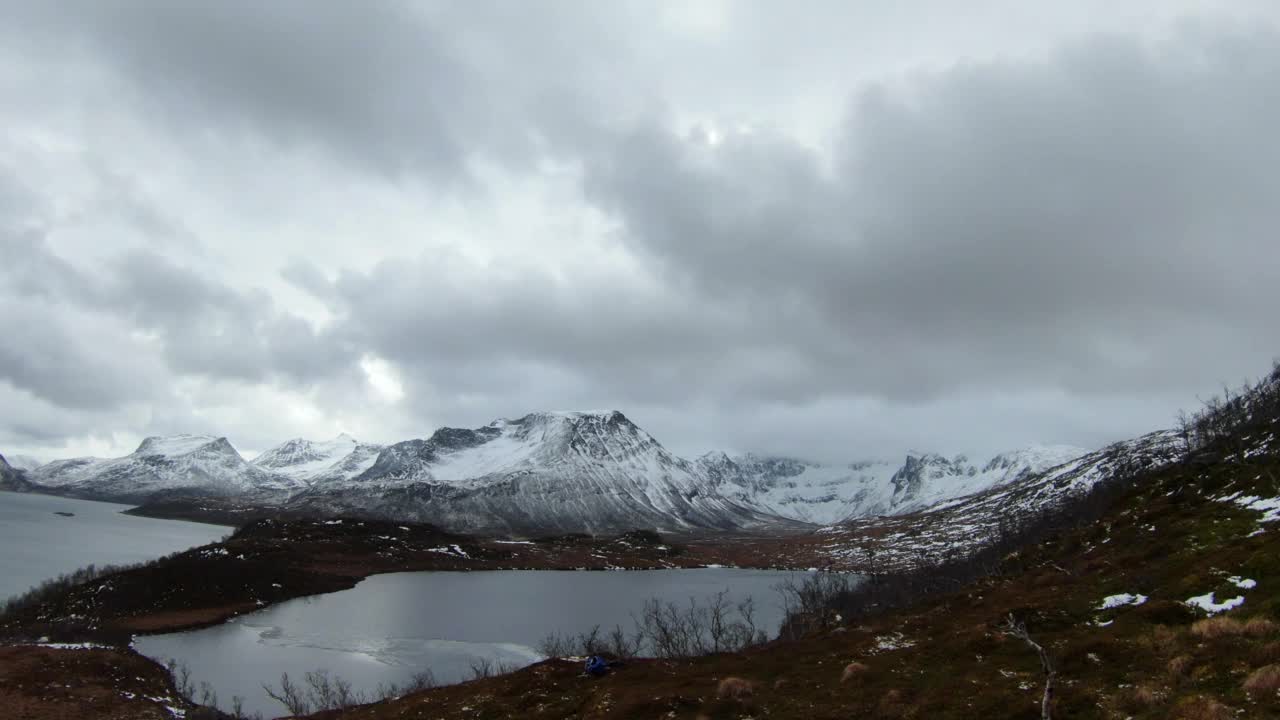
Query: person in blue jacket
{"points": [[596, 666]]}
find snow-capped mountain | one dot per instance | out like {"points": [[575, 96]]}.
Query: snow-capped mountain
{"points": [[813, 492], [961, 524], [11, 478], [545, 472], [341, 458], [165, 466], [23, 462]]}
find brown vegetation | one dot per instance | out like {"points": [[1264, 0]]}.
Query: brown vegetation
{"points": [[1265, 679], [734, 688], [852, 670]]}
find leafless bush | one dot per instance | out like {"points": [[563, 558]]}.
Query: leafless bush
{"points": [[1227, 425], [181, 674], [424, 680], [671, 630], [813, 602], [293, 697], [484, 667]]}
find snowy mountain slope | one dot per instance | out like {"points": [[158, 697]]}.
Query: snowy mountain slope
{"points": [[341, 458], [11, 478], [542, 472], [957, 525], [23, 462], [164, 466], [824, 494]]}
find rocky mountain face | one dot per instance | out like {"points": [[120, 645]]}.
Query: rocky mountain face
{"points": [[544, 472]]}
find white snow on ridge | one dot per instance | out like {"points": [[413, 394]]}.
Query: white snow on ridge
{"points": [[174, 445], [23, 462], [827, 494], [340, 458]]}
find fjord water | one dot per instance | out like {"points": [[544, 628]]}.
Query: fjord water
{"points": [[36, 543], [390, 627]]}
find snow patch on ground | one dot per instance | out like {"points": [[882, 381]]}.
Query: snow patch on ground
{"points": [[1115, 601], [1242, 583], [75, 646], [892, 641], [1205, 602]]}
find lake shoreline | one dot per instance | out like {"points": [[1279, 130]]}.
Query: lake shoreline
{"points": [[268, 562]]}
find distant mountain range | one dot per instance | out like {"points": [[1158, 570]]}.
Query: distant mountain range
{"points": [[546, 471]]}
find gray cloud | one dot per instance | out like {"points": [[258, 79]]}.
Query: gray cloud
{"points": [[750, 229]]}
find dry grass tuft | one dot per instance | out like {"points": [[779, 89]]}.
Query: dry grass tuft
{"points": [[1164, 640], [1265, 680], [1217, 627], [1179, 665], [734, 688], [1139, 698], [1267, 654], [1202, 708], [851, 670], [1260, 627], [892, 705]]}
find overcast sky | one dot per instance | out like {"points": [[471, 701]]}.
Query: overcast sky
{"points": [[827, 229]]}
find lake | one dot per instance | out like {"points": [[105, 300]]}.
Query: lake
{"points": [[390, 627], [37, 544]]}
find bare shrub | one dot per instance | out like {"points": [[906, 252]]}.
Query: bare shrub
{"points": [[814, 601], [424, 680], [181, 674], [734, 688], [485, 668], [293, 697], [617, 643], [852, 670], [1264, 680], [670, 630]]}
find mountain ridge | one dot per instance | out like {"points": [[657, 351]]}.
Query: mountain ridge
{"points": [[558, 471]]}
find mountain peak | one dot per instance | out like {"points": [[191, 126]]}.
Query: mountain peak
{"points": [[182, 444]]}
